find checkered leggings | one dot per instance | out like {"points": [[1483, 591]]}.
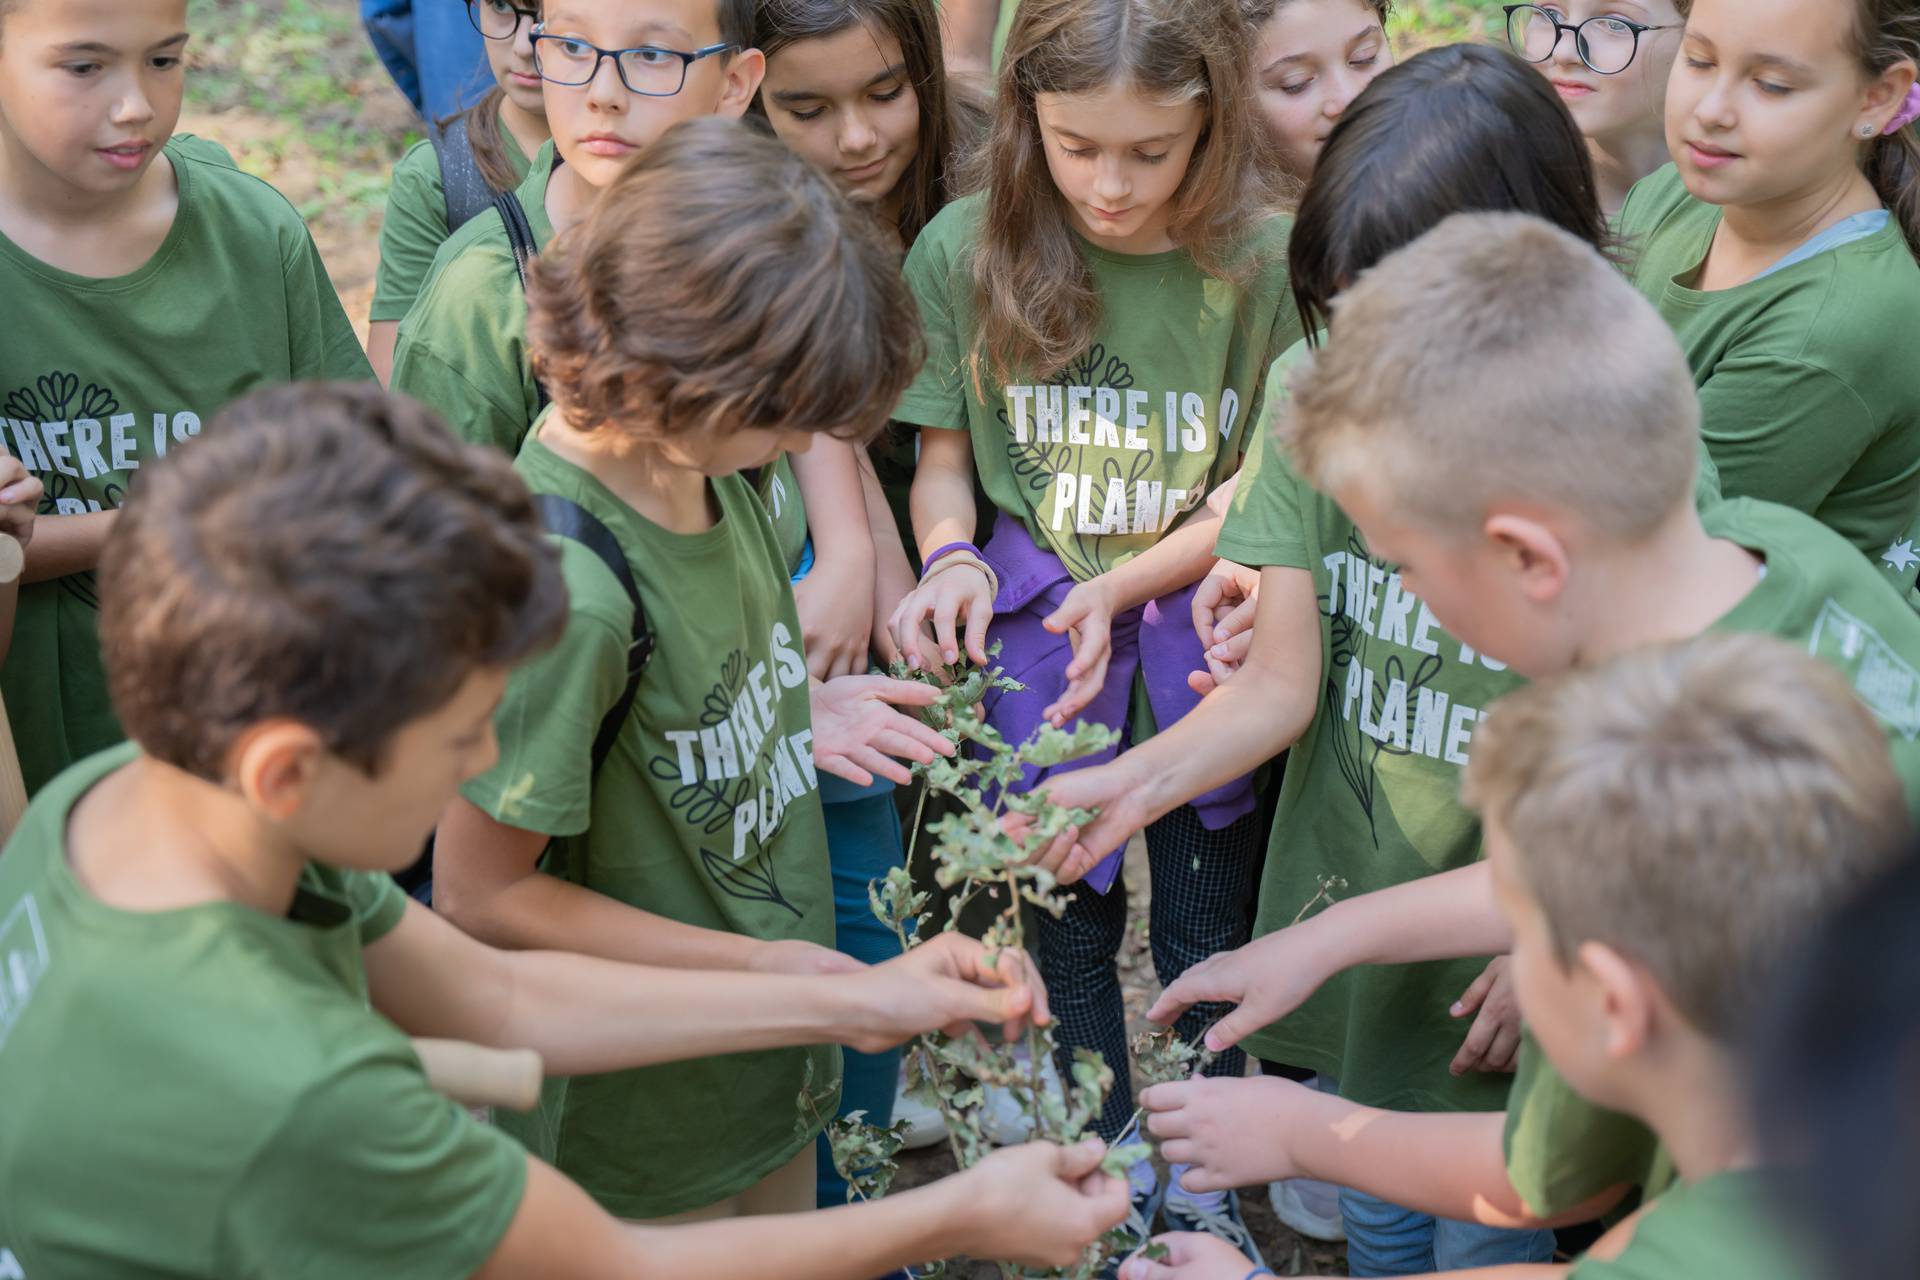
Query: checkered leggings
{"points": [[1202, 881]]}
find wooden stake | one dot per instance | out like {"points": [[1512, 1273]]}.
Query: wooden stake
{"points": [[13, 790]]}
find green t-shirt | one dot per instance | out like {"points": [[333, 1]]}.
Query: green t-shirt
{"points": [[1817, 592], [462, 350], [1808, 386], [1723, 1225], [416, 225], [1371, 792], [98, 377], [707, 811], [205, 1092], [1107, 456]]}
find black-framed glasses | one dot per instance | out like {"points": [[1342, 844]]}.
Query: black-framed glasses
{"points": [[1607, 45], [648, 69], [499, 19]]}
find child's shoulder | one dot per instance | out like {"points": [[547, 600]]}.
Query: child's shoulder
{"points": [[952, 231], [1655, 199], [241, 203], [1720, 1225]]}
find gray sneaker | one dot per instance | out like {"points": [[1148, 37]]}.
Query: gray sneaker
{"points": [[1181, 1214]]}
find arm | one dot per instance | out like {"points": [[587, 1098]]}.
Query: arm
{"points": [[943, 513], [1451, 1165], [1038, 1205], [586, 1015], [1194, 1256], [835, 598], [486, 881], [19, 500], [968, 35], [64, 545], [382, 335], [892, 572]]}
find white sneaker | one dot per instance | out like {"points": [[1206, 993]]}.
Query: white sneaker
{"points": [[926, 1127], [1002, 1118], [1311, 1208]]}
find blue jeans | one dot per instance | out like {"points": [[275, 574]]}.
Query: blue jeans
{"points": [[1386, 1240], [431, 50], [863, 844]]}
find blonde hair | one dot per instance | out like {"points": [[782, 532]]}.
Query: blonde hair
{"points": [[1495, 357], [1696, 807], [1032, 289]]}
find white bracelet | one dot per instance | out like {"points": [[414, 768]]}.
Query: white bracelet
{"points": [[961, 557]]}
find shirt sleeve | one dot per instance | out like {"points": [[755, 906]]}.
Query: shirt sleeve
{"points": [[938, 396], [412, 232], [324, 344], [1561, 1149], [551, 714], [1266, 523], [462, 353], [378, 904], [373, 1174]]}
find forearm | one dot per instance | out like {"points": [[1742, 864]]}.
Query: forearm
{"points": [[382, 335], [1233, 730], [968, 34], [893, 572], [1448, 1164], [1178, 560], [1449, 916], [829, 477], [942, 496], [64, 545]]}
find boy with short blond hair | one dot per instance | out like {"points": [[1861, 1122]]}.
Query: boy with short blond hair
{"points": [[1540, 534], [150, 283], [1662, 832]]}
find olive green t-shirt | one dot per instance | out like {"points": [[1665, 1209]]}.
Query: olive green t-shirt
{"points": [[1809, 390], [100, 376], [462, 350], [1107, 456], [205, 1091], [1723, 1225], [707, 812], [1371, 792], [1818, 592], [416, 225]]}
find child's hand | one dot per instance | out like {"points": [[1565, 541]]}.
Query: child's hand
{"points": [[949, 984], [1087, 616], [1115, 793], [19, 498], [1493, 1041], [1038, 1205], [855, 731], [1267, 979], [836, 618], [1223, 609], [1235, 1133], [947, 598], [801, 959], [1191, 1255]]}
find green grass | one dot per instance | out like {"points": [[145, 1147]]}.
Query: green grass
{"points": [[1424, 22]]}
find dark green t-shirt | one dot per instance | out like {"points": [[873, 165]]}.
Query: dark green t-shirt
{"points": [[1104, 458], [707, 811], [99, 377], [1820, 593], [1809, 386], [416, 225], [205, 1092], [1723, 1225]]}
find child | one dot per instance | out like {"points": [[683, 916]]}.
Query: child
{"points": [[485, 150], [1781, 249], [310, 618], [1609, 61], [1311, 59], [1548, 527], [1660, 832], [1460, 127], [1097, 320], [692, 835], [152, 282]]}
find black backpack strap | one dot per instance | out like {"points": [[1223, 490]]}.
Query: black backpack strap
{"points": [[520, 238], [467, 193], [570, 520]]}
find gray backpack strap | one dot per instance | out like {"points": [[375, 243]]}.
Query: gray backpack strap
{"points": [[468, 194]]}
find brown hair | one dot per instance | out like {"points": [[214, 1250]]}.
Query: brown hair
{"points": [[1885, 33], [950, 121], [1032, 288], [1695, 807], [1499, 357], [722, 282], [328, 553], [486, 138], [1257, 12]]}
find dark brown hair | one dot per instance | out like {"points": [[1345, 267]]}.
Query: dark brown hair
{"points": [[1032, 288], [328, 553], [485, 136], [950, 121], [723, 283], [1886, 32], [1256, 12]]}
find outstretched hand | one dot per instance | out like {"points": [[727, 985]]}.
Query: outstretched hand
{"points": [[948, 984], [1086, 616], [858, 734]]}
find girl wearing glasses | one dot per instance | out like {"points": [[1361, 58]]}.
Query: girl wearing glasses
{"points": [[1609, 61], [494, 141]]}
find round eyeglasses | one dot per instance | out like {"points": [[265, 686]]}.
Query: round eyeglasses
{"points": [[1606, 45], [498, 19], [647, 70]]}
